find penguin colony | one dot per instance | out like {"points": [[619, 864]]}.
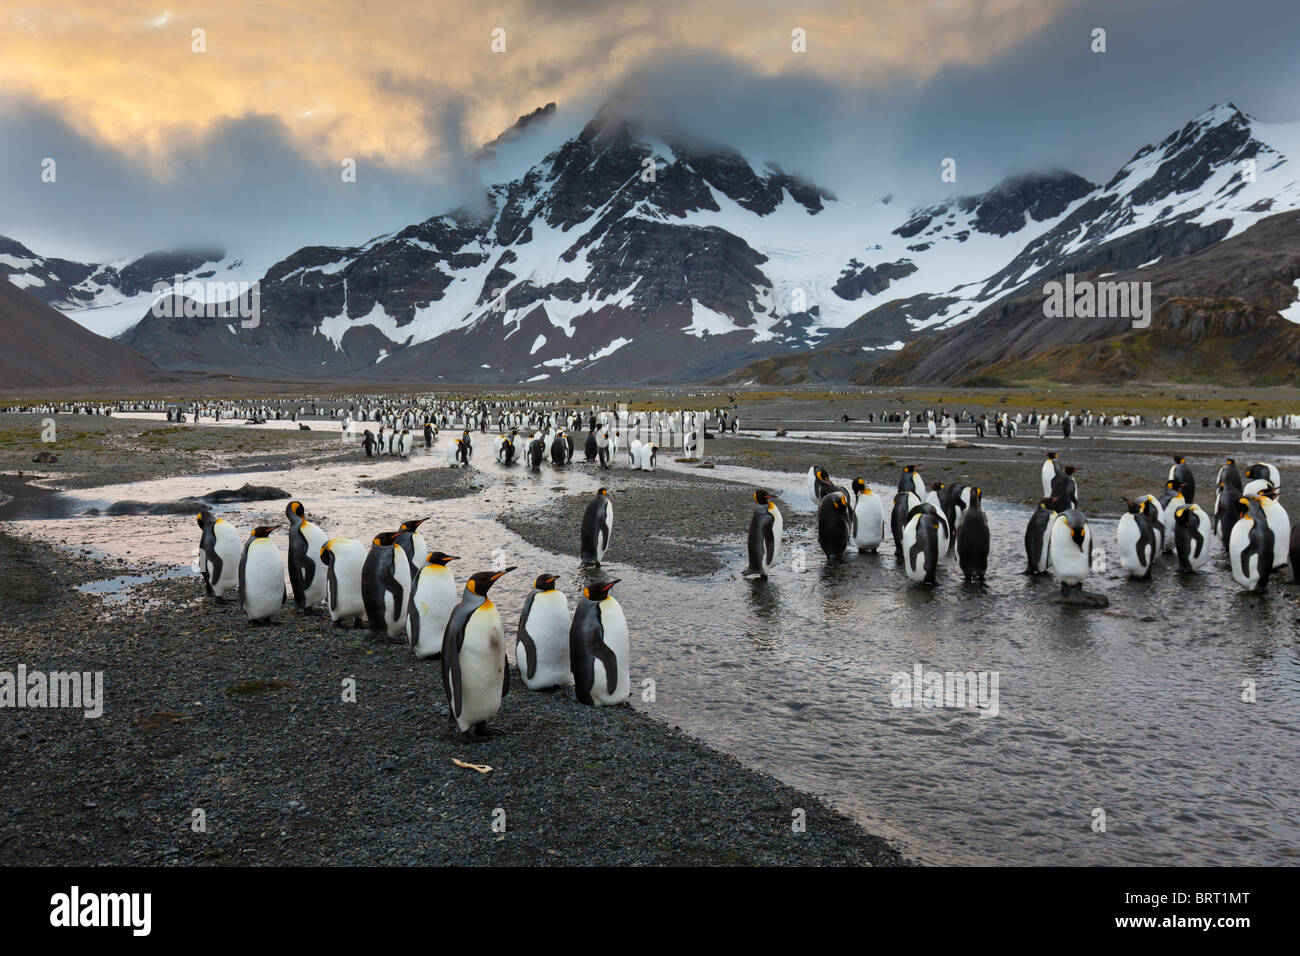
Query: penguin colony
{"points": [[929, 522], [404, 592]]}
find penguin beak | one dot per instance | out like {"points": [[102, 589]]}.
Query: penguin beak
{"points": [[500, 574]]}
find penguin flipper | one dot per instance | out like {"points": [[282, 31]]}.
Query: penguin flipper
{"points": [[523, 637]]}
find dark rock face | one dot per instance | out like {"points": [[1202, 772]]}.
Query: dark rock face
{"points": [[857, 279]]}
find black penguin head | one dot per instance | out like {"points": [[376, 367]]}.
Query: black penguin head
{"points": [[1070, 469], [598, 592], [976, 497], [1051, 455], [1182, 516], [1179, 459], [205, 518], [1243, 506], [440, 559], [937, 486], [482, 582], [860, 486], [1174, 485], [261, 531], [546, 582], [295, 510], [1134, 507], [762, 497], [603, 491], [1232, 462], [412, 525], [385, 539]]}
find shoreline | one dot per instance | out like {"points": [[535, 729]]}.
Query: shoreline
{"points": [[293, 775]]}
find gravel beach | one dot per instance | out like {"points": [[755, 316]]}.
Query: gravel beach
{"points": [[248, 724]]}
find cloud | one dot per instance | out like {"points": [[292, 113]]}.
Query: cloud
{"points": [[158, 145]]}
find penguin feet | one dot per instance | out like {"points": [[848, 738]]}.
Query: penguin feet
{"points": [[481, 729]]}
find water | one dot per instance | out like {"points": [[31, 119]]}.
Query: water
{"points": [[1136, 709]]}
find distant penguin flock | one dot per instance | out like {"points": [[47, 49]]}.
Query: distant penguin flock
{"points": [[405, 592]]}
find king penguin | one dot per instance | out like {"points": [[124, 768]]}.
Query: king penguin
{"points": [[1250, 547], [1051, 468], [765, 525], [868, 518], [1191, 537], [1070, 549], [597, 526], [343, 559], [261, 576], [904, 502], [1037, 534], [542, 640], [306, 571], [921, 544], [599, 648], [1137, 542], [973, 538], [433, 598], [834, 523], [386, 585], [475, 672], [1181, 474], [219, 555]]}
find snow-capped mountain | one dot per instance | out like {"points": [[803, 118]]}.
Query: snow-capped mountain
{"points": [[625, 256]]}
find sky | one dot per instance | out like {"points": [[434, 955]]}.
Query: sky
{"points": [[235, 136]]}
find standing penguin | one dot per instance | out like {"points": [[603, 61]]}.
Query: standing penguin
{"points": [[542, 640], [765, 525], [911, 481], [475, 672], [868, 518], [261, 576], [1137, 542], [1065, 487], [599, 648], [921, 544], [1070, 550], [649, 457], [219, 555], [1051, 468], [1168, 507], [904, 502], [597, 526], [973, 538], [386, 585], [1228, 475], [1181, 474], [433, 598], [1037, 534], [590, 450], [368, 442], [1250, 547], [306, 571], [1191, 537], [1279, 522], [343, 559], [834, 523], [535, 453], [412, 542]]}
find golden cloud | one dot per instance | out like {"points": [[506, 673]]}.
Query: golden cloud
{"points": [[366, 78]]}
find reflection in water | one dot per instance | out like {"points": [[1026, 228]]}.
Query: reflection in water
{"points": [[1137, 708]]}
